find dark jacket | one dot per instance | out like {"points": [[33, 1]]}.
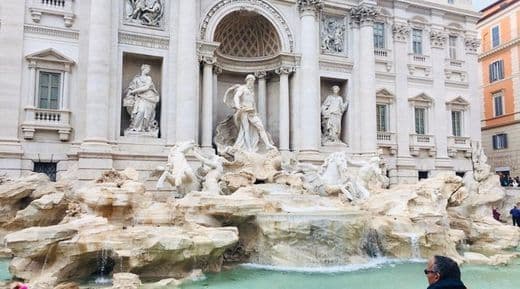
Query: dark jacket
{"points": [[515, 212], [447, 284]]}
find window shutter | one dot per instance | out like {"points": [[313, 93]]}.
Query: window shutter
{"points": [[501, 69], [504, 140], [495, 142], [491, 72]]}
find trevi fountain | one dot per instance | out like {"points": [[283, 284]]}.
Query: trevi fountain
{"points": [[233, 144], [254, 214]]}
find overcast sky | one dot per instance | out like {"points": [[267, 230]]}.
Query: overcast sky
{"points": [[479, 4]]}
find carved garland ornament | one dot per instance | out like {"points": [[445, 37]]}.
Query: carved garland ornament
{"points": [[364, 14], [262, 3]]}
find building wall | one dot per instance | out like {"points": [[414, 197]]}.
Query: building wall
{"points": [[506, 15], [97, 41]]}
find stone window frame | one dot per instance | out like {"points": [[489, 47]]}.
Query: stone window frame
{"points": [[461, 105], [53, 61], [385, 97], [386, 18], [494, 95], [422, 101], [420, 23], [36, 100]]}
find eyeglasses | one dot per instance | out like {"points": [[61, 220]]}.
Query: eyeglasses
{"points": [[426, 271]]}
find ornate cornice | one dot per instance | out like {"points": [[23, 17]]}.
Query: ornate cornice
{"points": [[472, 44], [401, 31], [310, 6], [364, 14], [54, 32], [438, 38]]}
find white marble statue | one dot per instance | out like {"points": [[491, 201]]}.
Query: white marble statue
{"points": [[248, 129], [481, 170], [140, 102], [332, 111], [146, 12], [178, 172], [214, 170], [371, 175]]}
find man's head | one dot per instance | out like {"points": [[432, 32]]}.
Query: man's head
{"points": [[440, 268], [250, 80], [335, 89]]}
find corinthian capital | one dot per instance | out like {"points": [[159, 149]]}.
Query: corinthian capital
{"points": [[313, 6], [364, 14], [401, 32], [285, 70], [206, 59], [472, 44], [438, 38]]}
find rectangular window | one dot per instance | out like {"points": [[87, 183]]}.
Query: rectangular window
{"points": [[495, 36], [500, 141], [498, 103], [423, 175], [453, 47], [456, 123], [496, 71], [417, 41], [379, 35], [420, 120], [49, 87], [382, 117]]}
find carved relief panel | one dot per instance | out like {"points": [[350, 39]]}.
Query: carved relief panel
{"points": [[148, 13], [333, 35]]}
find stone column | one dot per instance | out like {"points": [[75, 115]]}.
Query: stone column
{"points": [[207, 101], [365, 15], [309, 76], [11, 67], [472, 43], [404, 125], [284, 121], [98, 72], [440, 126], [187, 101], [262, 95]]}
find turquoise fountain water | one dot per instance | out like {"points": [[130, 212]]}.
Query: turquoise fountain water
{"points": [[382, 276], [4, 270]]}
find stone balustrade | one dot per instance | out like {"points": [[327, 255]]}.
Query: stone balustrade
{"points": [[46, 119]]}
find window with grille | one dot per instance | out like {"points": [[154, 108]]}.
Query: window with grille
{"points": [[453, 47], [379, 35], [495, 36], [417, 41], [420, 120], [423, 175], [498, 103], [47, 168], [49, 88], [496, 71], [456, 123], [500, 141]]}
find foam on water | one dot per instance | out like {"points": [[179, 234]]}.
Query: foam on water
{"points": [[373, 263]]}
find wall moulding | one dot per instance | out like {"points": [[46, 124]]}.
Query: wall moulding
{"points": [[143, 40], [52, 32]]}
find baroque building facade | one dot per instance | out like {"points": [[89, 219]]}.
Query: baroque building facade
{"points": [[101, 84], [499, 30]]}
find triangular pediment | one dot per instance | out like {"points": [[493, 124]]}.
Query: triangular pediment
{"points": [[423, 97], [459, 100], [49, 55], [384, 93]]}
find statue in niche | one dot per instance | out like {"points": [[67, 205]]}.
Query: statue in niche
{"points": [[244, 129], [146, 12], [332, 111], [333, 36], [140, 101]]}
